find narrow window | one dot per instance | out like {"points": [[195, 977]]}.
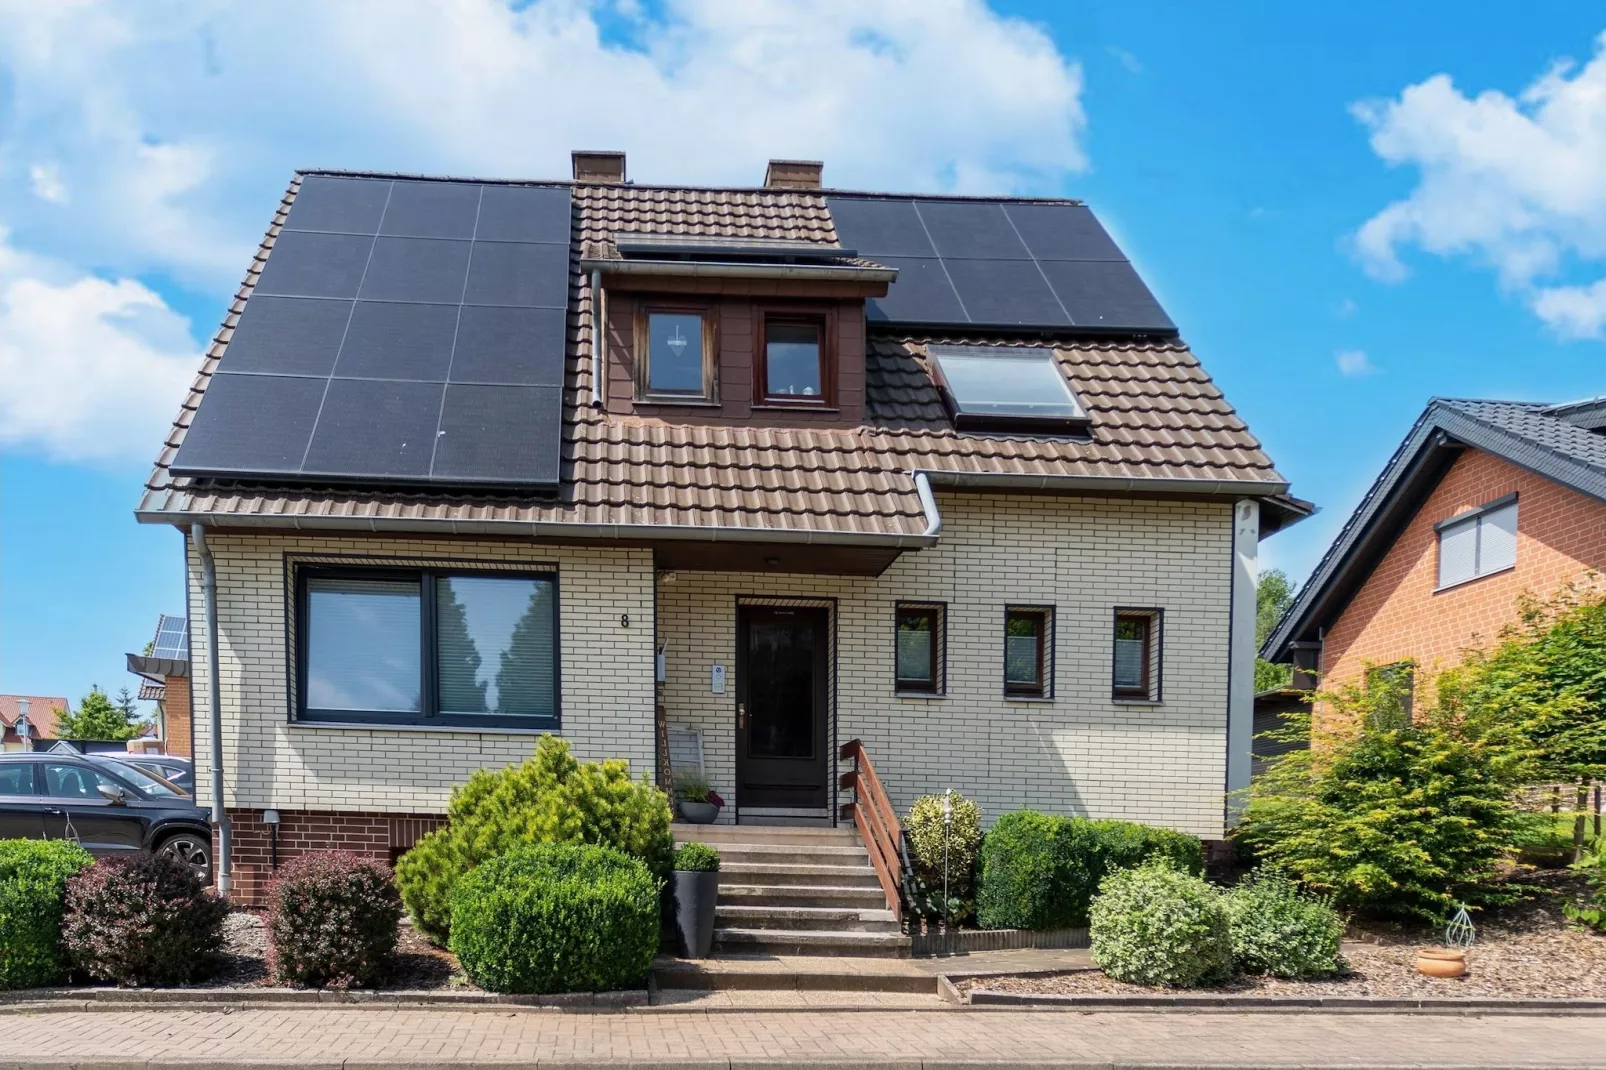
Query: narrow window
{"points": [[674, 354], [1479, 543], [1391, 690], [1027, 643], [919, 651], [792, 361], [1135, 662]]}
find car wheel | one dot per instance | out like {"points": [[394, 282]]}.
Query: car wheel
{"points": [[193, 850]]}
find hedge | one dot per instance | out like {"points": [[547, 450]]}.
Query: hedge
{"points": [[33, 895], [145, 920], [1040, 871], [332, 920]]}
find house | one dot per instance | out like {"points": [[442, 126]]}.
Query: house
{"points": [[1482, 502], [474, 460], [38, 716], [164, 672]]}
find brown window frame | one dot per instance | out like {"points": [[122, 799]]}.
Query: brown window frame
{"points": [[821, 317], [1153, 621], [1401, 675], [645, 310], [937, 683], [1044, 688]]}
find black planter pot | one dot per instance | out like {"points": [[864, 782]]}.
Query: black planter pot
{"points": [[695, 893]]}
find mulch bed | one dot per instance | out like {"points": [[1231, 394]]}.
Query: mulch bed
{"points": [[420, 966], [1526, 951]]}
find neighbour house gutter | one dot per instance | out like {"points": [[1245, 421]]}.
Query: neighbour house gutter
{"points": [[598, 334], [727, 270], [1232, 488], [928, 502], [225, 870]]}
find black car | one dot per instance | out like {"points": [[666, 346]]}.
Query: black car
{"points": [[180, 771], [109, 807]]}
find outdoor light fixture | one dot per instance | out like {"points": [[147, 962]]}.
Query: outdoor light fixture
{"points": [[271, 819]]}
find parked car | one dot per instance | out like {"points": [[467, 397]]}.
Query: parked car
{"points": [[112, 808], [169, 767]]}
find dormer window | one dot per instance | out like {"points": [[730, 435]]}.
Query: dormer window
{"points": [[796, 362], [1007, 388], [675, 354]]}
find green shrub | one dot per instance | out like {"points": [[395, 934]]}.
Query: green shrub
{"points": [[1592, 912], [33, 895], [936, 847], [551, 798], [332, 920], [697, 858], [1041, 872], [1155, 925], [691, 785], [1281, 929], [145, 920], [556, 918]]}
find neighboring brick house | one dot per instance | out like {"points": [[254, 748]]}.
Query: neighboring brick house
{"points": [[470, 461], [42, 713], [164, 673], [1483, 502]]}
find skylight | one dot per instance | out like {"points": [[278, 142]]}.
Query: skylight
{"points": [[1007, 386]]}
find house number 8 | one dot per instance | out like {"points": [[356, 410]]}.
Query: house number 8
{"points": [[624, 620]]}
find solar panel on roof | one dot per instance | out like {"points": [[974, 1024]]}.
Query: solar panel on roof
{"points": [[1006, 264], [172, 637], [446, 368]]}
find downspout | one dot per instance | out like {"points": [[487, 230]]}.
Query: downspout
{"points": [[220, 819], [928, 503], [599, 334]]}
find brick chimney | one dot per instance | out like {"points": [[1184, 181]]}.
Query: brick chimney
{"points": [[597, 166], [793, 174]]}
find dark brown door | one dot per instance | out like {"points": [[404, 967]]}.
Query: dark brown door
{"points": [[781, 676]]}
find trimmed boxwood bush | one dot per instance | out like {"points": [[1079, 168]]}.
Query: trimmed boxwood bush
{"points": [[1041, 872], [1280, 929], [697, 858], [552, 798], [928, 836], [332, 920], [556, 918], [145, 920], [1155, 925], [33, 895]]}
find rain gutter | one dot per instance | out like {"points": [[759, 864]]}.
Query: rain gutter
{"points": [[723, 270]]}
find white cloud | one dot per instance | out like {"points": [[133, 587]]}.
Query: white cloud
{"points": [[1354, 363], [1125, 59], [93, 369], [45, 181], [1516, 183]]}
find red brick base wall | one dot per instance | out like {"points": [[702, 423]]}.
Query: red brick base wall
{"points": [[383, 837]]}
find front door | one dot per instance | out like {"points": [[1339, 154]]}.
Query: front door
{"points": [[781, 707]]}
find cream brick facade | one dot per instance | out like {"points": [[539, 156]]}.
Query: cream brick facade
{"points": [[1078, 753]]}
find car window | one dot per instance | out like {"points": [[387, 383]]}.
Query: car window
{"points": [[151, 782], [16, 778], [63, 781]]}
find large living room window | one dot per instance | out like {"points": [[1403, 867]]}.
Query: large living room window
{"points": [[1478, 543], [429, 647]]}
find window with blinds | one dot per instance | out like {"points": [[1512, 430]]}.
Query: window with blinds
{"points": [[1135, 657], [918, 655], [428, 647], [1029, 651], [1479, 543]]}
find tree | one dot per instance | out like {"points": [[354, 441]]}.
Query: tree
{"points": [[1273, 595], [462, 691], [98, 717], [524, 678]]}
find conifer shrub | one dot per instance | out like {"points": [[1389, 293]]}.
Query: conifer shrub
{"points": [[1280, 929], [556, 917], [332, 920], [1041, 872], [1156, 925], [145, 920], [551, 798], [33, 897]]}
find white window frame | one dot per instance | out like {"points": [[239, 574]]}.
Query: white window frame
{"points": [[1478, 521]]}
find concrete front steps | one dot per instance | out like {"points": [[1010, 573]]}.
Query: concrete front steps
{"points": [[787, 890]]}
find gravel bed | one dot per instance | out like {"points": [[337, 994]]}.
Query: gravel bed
{"points": [[420, 966], [1527, 951]]}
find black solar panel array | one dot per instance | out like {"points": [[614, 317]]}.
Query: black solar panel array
{"points": [[996, 264], [402, 331]]}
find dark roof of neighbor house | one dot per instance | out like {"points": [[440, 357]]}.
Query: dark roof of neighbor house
{"points": [[1158, 423], [42, 711], [1560, 442]]}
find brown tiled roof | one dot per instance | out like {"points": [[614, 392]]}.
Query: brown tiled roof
{"points": [[1155, 415], [42, 712]]}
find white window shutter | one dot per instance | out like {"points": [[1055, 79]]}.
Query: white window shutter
{"points": [[1458, 552], [1497, 540]]}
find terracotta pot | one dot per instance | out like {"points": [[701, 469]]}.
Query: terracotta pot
{"points": [[1441, 962]]}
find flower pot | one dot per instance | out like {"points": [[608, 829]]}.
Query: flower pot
{"points": [[695, 893], [699, 813], [1441, 962]]}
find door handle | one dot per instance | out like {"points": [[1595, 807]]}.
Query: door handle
{"points": [[54, 810], [741, 715]]}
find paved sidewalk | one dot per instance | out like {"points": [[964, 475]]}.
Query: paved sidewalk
{"points": [[310, 1038]]}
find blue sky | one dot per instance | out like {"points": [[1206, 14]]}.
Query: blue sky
{"points": [[1347, 208]]}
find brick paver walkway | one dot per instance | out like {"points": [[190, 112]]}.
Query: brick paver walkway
{"points": [[313, 1038]]}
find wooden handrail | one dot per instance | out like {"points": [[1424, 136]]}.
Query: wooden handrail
{"points": [[876, 821]]}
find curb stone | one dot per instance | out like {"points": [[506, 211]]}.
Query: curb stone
{"points": [[1275, 1004]]}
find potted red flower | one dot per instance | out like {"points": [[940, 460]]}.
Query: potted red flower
{"points": [[699, 802]]}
